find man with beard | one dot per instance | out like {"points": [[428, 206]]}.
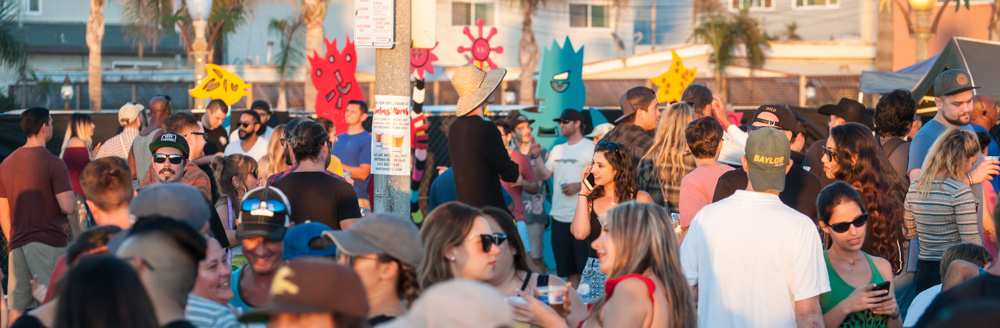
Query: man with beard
{"points": [[263, 222], [170, 164], [250, 143]]}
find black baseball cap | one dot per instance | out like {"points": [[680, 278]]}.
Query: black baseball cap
{"points": [[570, 115], [264, 211], [786, 118], [850, 110], [952, 81], [171, 140]]}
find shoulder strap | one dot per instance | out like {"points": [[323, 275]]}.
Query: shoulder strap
{"points": [[524, 285], [650, 285]]}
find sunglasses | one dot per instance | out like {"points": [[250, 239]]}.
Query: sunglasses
{"points": [[174, 159], [604, 144], [842, 227], [246, 125], [269, 207], [490, 240], [770, 123], [829, 152]]}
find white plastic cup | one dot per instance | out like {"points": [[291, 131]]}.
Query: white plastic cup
{"points": [[993, 158], [552, 294]]}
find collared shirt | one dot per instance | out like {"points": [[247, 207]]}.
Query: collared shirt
{"points": [[118, 145]]}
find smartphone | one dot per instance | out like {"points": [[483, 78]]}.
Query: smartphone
{"points": [[882, 286], [589, 181]]}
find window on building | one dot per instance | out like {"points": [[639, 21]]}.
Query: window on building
{"points": [[467, 12], [585, 15], [816, 3], [33, 7], [752, 4]]}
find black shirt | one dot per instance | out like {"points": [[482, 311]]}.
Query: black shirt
{"points": [[319, 196], [216, 140], [800, 191], [985, 287], [479, 161], [814, 160]]}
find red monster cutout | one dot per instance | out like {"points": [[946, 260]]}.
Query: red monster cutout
{"points": [[481, 48], [333, 76], [422, 60]]}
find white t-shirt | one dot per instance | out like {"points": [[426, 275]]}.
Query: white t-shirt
{"points": [[920, 304], [734, 143], [258, 150], [752, 257], [566, 162]]}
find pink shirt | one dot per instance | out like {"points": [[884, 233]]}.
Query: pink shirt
{"points": [[516, 207], [697, 189]]}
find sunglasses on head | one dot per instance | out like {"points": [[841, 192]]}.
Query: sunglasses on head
{"points": [[608, 145], [174, 159], [842, 227], [492, 239], [255, 206]]}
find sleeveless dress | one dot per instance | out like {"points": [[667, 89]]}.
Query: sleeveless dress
{"points": [[840, 289], [610, 284]]}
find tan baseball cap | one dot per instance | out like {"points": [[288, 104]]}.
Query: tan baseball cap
{"points": [[313, 285]]}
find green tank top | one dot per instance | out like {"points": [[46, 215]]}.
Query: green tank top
{"points": [[839, 290]]}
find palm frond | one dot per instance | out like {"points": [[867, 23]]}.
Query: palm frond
{"points": [[11, 45], [290, 34]]}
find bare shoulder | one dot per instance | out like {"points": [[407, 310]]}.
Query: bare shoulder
{"points": [[883, 266], [75, 142], [643, 197]]}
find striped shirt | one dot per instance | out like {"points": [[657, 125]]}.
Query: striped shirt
{"points": [[118, 145], [943, 217], [204, 313]]}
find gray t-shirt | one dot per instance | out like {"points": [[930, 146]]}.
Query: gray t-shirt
{"points": [[140, 150]]}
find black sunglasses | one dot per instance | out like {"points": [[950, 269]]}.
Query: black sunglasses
{"points": [[604, 144], [246, 125], [858, 222], [493, 239], [174, 159]]}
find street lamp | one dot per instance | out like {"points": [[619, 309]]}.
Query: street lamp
{"points": [[67, 92], [922, 25], [199, 11]]}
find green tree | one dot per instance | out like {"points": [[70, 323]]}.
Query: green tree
{"points": [[724, 34], [290, 56]]}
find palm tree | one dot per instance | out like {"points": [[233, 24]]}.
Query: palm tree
{"points": [[528, 51], [11, 47], [148, 19], [726, 33], [95, 34], [313, 13], [289, 53]]}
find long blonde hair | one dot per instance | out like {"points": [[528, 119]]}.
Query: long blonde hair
{"points": [[947, 158], [644, 240], [80, 126], [274, 162], [669, 153]]}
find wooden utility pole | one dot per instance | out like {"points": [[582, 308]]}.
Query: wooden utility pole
{"points": [[392, 77]]}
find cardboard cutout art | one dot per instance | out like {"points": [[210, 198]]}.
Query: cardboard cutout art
{"points": [[480, 48], [420, 138], [421, 61], [333, 76], [671, 84], [219, 83], [560, 86]]}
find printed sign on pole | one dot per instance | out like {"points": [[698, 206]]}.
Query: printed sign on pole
{"points": [[391, 135], [374, 22]]}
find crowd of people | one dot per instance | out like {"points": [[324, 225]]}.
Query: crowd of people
{"points": [[674, 215]]}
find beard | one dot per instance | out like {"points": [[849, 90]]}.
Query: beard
{"points": [[167, 175], [244, 135]]}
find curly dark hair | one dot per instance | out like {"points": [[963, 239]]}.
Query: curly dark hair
{"points": [[704, 136], [881, 188], [626, 186], [894, 114]]}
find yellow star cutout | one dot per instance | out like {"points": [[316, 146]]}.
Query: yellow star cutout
{"points": [[670, 85]]}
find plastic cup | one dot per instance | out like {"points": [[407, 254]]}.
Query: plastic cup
{"points": [[551, 294], [992, 158]]}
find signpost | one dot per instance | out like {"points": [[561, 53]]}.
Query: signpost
{"points": [[392, 96]]}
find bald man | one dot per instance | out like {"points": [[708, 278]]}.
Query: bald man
{"points": [[165, 252]]}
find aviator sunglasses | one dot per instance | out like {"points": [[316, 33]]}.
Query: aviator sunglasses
{"points": [[858, 222], [174, 159]]}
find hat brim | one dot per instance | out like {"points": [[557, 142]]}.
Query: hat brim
{"points": [[484, 90], [265, 313], [623, 117], [351, 243], [952, 92], [266, 230]]}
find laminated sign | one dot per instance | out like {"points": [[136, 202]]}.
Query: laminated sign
{"points": [[391, 135]]}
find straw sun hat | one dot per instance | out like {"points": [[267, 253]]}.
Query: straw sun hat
{"points": [[474, 86]]}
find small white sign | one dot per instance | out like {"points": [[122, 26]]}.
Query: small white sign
{"points": [[391, 135], [374, 22]]}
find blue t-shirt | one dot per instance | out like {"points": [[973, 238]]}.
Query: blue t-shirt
{"points": [[237, 300], [924, 139], [354, 150]]}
